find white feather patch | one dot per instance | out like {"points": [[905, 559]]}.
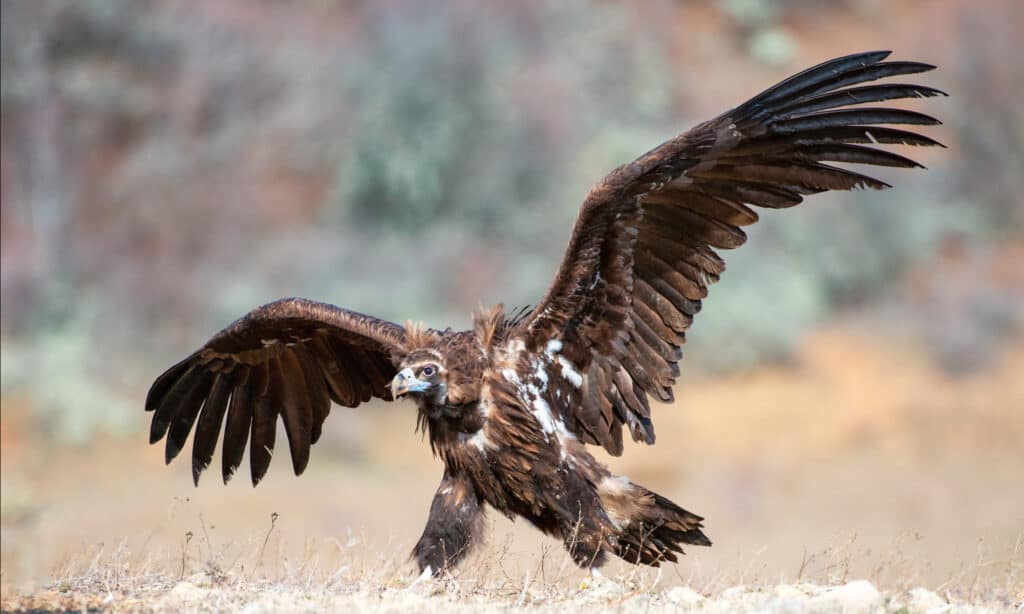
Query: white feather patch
{"points": [[511, 375], [570, 373], [542, 411], [617, 484], [564, 436], [541, 373], [481, 441]]}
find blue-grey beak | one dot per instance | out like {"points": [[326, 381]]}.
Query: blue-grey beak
{"points": [[406, 382]]}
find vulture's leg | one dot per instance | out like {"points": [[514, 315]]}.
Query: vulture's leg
{"points": [[454, 525]]}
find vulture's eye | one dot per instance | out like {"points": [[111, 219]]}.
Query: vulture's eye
{"points": [[429, 370]]}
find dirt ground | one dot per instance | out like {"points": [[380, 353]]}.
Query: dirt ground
{"points": [[859, 460]]}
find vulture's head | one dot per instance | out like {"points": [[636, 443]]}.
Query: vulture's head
{"points": [[422, 375]]}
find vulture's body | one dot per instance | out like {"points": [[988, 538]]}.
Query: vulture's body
{"points": [[511, 405]]}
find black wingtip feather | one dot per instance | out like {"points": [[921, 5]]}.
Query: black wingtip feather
{"points": [[208, 426], [851, 117], [856, 96], [236, 432], [183, 394], [163, 384], [818, 73], [827, 77], [171, 450], [157, 431], [263, 431]]}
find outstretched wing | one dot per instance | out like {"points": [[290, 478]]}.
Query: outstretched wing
{"points": [[642, 253], [290, 358]]}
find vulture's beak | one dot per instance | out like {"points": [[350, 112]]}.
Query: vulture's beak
{"points": [[406, 382]]}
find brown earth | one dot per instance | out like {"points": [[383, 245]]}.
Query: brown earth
{"points": [[859, 460]]}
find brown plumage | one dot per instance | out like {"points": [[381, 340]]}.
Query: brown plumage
{"points": [[509, 405]]}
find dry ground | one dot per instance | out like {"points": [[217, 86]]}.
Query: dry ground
{"points": [[860, 460]]}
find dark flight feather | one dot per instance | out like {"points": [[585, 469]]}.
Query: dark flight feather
{"points": [[264, 430], [695, 192], [184, 410], [856, 95], [208, 428], [793, 86], [851, 117], [285, 358], [296, 410], [236, 430]]}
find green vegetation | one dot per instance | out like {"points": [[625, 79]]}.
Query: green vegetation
{"points": [[166, 169]]}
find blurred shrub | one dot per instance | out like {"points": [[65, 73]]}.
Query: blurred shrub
{"points": [[166, 168], [471, 118], [72, 378]]}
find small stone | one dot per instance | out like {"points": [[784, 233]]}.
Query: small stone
{"points": [[851, 598], [811, 589], [640, 601], [788, 591], [186, 592], [684, 595], [788, 599], [924, 600], [734, 592], [600, 587]]}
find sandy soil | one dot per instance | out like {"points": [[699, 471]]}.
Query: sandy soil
{"points": [[627, 595], [858, 461]]}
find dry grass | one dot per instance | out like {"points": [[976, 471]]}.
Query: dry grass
{"points": [[352, 575], [860, 460]]}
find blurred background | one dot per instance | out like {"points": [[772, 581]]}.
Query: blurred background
{"points": [[852, 386]]}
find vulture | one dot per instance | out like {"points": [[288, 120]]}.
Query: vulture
{"points": [[511, 406]]}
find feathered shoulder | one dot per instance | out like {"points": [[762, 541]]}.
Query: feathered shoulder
{"points": [[491, 325]]}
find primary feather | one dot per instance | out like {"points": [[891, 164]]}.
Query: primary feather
{"points": [[642, 256]]}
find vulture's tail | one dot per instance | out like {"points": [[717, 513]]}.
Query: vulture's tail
{"points": [[650, 528]]}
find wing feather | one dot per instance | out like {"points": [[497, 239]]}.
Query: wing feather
{"points": [[642, 254], [857, 95], [290, 358], [316, 388], [183, 413], [296, 410], [237, 425], [264, 423], [208, 426]]}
